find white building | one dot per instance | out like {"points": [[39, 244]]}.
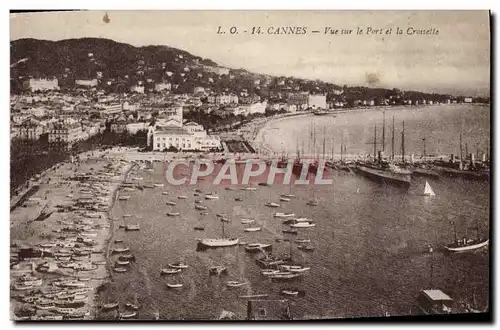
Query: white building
{"points": [[163, 86], [86, 82], [137, 89], [468, 100], [317, 101], [60, 132], [41, 84], [223, 99]]}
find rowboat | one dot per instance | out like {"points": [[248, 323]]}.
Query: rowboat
{"points": [[252, 229], [121, 250], [170, 271], [238, 199], [285, 276], [211, 197], [178, 265], [127, 315], [271, 204], [182, 197], [256, 247], [159, 185], [200, 207], [235, 284], [249, 188], [174, 286], [164, 193], [132, 227], [302, 240], [284, 199], [221, 215], [173, 214], [290, 231], [122, 262], [110, 305], [303, 225], [295, 269], [305, 247], [120, 270], [170, 203], [247, 221], [283, 215], [123, 198], [199, 228]]}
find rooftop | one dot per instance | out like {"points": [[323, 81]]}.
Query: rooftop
{"points": [[436, 295]]}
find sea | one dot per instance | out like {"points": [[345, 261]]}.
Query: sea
{"points": [[372, 242]]}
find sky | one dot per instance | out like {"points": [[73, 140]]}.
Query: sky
{"points": [[456, 61]]}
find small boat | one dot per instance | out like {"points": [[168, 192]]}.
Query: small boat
{"points": [[221, 215], [196, 194], [235, 284], [126, 257], [219, 242], [249, 189], [211, 196], [127, 215], [302, 240], [198, 190], [253, 247], [164, 193], [182, 197], [290, 292], [132, 227], [271, 204], [288, 195], [121, 250], [120, 270], [290, 231], [200, 207], [247, 221], [284, 199], [170, 203], [241, 243], [122, 262], [149, 186], [199, 228], [22, 286], [170, 271], [285, 276], [173, 214], [252, 229], [159, 185], [128, 189], [428, 190], [303, 225], [283, 215], [198, 201], [118, 241], [238, 199], [131, 306], [263, 184], [466, 245], [123, 198], [312, 203], [305, 247], [217, 270], [174, 286], [178, 265], [128, 315], [230, 188], [110, 306], [295, 268], [267, 271]]}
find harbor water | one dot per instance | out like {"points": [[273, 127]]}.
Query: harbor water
{"points": [[371, 241]]}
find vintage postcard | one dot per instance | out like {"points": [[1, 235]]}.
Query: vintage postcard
{"points": [[249, 165]]}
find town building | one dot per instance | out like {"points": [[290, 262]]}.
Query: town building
{"points": [[34, 84], [468, 99], [137, 89], [163, 86], [30, 129], [86, 82], [67, 133], [222, 99], [317, 101]]}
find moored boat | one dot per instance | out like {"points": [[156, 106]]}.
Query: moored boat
{"points": [[235, 284], [174, 285], [167, 271], [252, 229], [284, 215], [173, 214], [253, 247], [303, 225], [272, 204], [170, 203]]}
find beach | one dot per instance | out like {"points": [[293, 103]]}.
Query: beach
{"points": [[63, 255]]}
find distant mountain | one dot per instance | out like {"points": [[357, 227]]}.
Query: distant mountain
{"points": [[119, 66]]}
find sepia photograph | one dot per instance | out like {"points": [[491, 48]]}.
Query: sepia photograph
{"points": [[250, 165]]}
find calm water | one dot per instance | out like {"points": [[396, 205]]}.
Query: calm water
{"points": [[371, 247], [440, 125]]}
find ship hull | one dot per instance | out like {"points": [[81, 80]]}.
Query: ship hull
{"points": [[467, 248], [385, 177]]}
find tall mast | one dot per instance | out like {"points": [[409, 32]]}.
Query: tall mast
{"points": [[375, 143], [424, 148], [314, 140], [403, 141], [297, 146], [461, 146], [223, 235], [324, 137], [333, 145], [432, 265], [466, 151], [392, 149], [383, 134]]}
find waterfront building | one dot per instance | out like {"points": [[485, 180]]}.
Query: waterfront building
{"points": [[319, 101], [30, 129], [222, 99], [137, 89], [468, 100], [86, 82], [34, 84]]}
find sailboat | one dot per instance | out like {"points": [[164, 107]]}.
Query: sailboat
{"points": [[428, 190], [219, 242]]}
